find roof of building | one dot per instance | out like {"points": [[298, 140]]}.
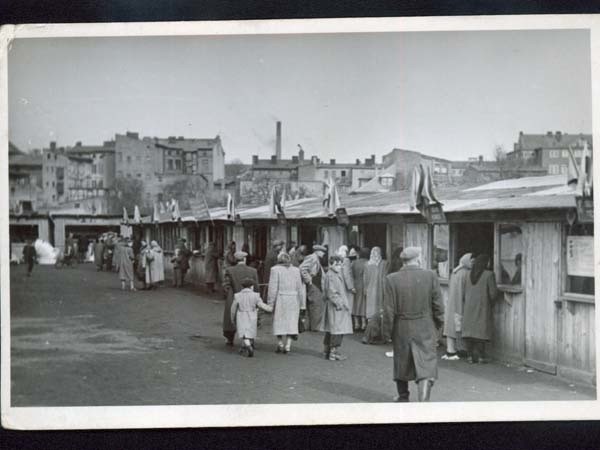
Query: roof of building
{"points": [[551, 140], [24, 159], [528, 193], [181, 143], [14, 150], [90, 149], [423, 155], [374, 185]]}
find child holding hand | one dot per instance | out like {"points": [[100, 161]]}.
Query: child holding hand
{"points": [[244, 313]]}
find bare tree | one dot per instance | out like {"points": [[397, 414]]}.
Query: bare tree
{"points": [[127, 193]]}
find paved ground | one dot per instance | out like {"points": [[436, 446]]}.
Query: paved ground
{"points": [[77, 339]]}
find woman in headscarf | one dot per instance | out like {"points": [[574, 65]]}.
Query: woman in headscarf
{"points": [[230, 255], [359, 308], [126, 266], [157, 268], [211, 261], [379, 325], [287, 296], [480, 293], [336, 320], [298, 255], [342, 252], [454, 307]]}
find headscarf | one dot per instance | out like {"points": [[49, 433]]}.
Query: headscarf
{"points": [[375, 258], [479, 266], [154, 245], [464, 262], [343, 251]]}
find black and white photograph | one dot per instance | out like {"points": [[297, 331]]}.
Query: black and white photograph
{"points": [[342, 219]]}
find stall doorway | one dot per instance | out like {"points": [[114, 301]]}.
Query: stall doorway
{"points": [[89, 232], [475, 238], [260, 236], [374, 235], [308, 235]]}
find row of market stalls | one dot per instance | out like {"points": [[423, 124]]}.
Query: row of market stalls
{"points": [[540, 241]]}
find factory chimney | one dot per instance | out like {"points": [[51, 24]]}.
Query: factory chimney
{"points": [[278, 142]]}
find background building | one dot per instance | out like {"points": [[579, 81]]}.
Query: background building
{"points": [[25, 180], [550, 150], [406, 160]]}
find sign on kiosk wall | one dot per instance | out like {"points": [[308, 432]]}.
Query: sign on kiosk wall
{"points": [[580, 256]]}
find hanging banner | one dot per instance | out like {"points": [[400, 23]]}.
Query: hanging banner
{"points": [[580, 256]]}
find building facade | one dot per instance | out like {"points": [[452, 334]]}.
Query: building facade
{"points": [[406, 160], [550, 150], [25, 181]]}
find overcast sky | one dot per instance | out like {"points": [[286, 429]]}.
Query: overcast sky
{"points": [[347, 96]]}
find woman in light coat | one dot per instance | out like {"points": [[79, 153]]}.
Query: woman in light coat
{"points": [[288, 298], [454, 308], [347, 274], [337, 318], [157, 266]]}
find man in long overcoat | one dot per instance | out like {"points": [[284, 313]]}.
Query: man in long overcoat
{"points": [[414, 296], [232, 283], [312, 275]]}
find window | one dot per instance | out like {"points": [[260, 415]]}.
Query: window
{"points": [[579, 259], [553, 169], [326, 174], [128, 175], [577, 153], [94, 168], [564, 169], [205, 165], [441, 245], [170, 164], [93, 183], [565, 153], [49, 155], [120, 157], [510, 254], [128, 159], [343, 173], [554, 153], [178, 164], [100, 184], [139, 175]]}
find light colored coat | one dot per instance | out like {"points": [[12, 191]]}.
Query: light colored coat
{"points": [[415, 299], [337, 317], [456, 299], [288, 297], [232, 283], [348, 281], [244, 312]]}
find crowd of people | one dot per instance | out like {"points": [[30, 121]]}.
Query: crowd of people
{"points": [[340, 292]]}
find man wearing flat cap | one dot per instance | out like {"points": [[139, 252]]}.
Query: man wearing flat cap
{"points": [[415, 299], [232, 283], [312, 274]]}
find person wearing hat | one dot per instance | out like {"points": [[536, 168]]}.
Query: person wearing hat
{"points": [[184, 264], [415, 299], [232, 284], [271, 259], [312, 275]]}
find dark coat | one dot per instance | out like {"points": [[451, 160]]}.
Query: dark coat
{"points": [[477, 314], [29, 253], [232, 283], [359, 308], [414, 297]]}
